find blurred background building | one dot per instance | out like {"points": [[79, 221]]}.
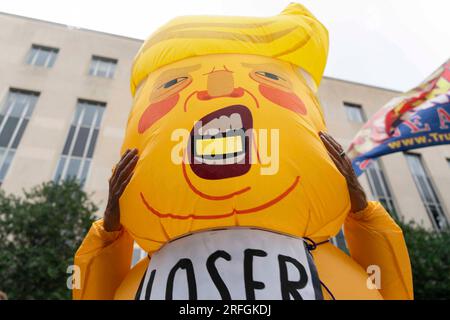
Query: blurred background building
{"points": [[64, 102]]}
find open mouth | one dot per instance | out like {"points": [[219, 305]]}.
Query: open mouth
{"points": [[220, 143]]}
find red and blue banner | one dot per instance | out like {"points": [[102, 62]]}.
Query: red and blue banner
{"points": [[418, 118]]}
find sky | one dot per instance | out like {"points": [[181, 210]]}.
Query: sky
{"points": [[392, 44]]}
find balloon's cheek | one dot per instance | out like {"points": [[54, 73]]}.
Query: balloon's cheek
{"points": [[156, 111], [288, 100]]}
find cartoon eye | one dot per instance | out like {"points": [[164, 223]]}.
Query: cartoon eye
{"points": [[173, 82], [269, 75]]}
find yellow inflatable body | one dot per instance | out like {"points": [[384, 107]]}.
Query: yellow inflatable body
{"points": [[226, 122]]}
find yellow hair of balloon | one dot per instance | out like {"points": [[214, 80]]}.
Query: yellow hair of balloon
{"points": [[294, 36]]}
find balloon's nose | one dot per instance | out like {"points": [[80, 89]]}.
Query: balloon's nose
{"points": [[220, 83]]}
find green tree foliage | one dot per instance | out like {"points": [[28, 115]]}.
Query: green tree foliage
{"points": [[39, 234], [429, 252]]}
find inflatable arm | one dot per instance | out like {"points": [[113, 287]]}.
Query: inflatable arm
{"points": [[374, 239], [104, 259]]}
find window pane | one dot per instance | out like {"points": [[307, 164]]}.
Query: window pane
{"points": [[379, 186], [32, 55], [415, 165], [423, 186], [434, 211], [31, 101], [18, 101], [102, 67], [112, 69], [78, 113], [432, 191], [68, 140], [100, 111], [83, 135], [2, 155], [60, 168], [52, 59], [383, 181], [19, 134], [80, 142], [9, 101], [136, 256], [426, 191], [42, 56], [92, 143], [354, 112], [6, 106], [8, 130], [92, 68], [377, 189], [17, 108], [89, 114], [85, 171], [6, 163], [340, 241], [73, 167]]}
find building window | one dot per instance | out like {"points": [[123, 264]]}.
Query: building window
{"points": [[339, 241], [138, 255], [354, 112], [80, 142], [102, 67], [42, 56], [427, 191], [14, 116], [379, 187]]}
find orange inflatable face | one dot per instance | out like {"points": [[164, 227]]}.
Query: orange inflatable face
{"points": [[229, 140]]}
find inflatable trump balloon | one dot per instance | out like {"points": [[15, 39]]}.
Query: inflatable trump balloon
{"points": [[234, 195]]}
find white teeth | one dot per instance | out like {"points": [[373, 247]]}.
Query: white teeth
{"points": [[221, 124], [213, 124], [236, 121], [224, 123], [236, 159], [217, 126], [211, 132]]}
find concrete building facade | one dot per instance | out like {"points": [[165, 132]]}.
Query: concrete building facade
{"points": [[64, 102]]}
